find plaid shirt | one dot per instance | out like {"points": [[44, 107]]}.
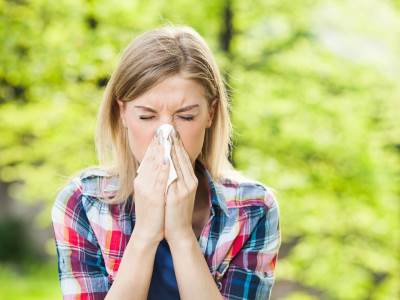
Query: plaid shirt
{"points": [[240, 242]]}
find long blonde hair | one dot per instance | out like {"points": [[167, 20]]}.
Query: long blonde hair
{"points": [[150, 58]]}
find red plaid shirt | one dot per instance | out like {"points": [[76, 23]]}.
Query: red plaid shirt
{"points": [[240, 242]]}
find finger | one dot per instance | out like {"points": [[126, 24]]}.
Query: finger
{"points": [[177, 164], [183, 157], [158, 157], [150, 157], [150, 150], [161, 177], [173, 188], [159, 152]]}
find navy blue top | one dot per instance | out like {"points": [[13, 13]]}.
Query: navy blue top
{"points": [[163, 283]]}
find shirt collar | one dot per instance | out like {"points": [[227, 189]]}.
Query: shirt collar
{"points": [[106, 185], [217, 197]]}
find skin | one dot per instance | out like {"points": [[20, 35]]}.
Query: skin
{"points": [[163, 104], [170, 215], [166, 99]]}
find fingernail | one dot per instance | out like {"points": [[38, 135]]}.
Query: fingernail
{"points": [[165, 160], [159, 138]]}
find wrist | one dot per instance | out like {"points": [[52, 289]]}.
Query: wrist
{"points": [[143, 240], [181, 239]]}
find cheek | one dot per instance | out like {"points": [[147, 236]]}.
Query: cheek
{"points": [[192, 138], [139, 138]]}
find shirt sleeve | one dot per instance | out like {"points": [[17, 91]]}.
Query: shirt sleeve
{"points": [[81, 270], [251, 273]]}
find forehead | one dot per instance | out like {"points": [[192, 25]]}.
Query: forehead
{"points": [[173, 92]]}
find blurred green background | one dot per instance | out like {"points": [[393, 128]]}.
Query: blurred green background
{"points": [[315, 108]]}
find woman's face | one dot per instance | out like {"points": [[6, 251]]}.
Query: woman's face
{"points": [[177, 101]]}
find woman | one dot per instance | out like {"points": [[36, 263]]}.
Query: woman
{"points": [[211, 234]]}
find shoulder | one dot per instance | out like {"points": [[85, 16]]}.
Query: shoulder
{"points": [[93, 183], [242, 192], [255, 205], [98, 182], [66, 201]]}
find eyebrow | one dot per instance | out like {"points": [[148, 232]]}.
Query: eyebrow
{"points": [[183, 109]]}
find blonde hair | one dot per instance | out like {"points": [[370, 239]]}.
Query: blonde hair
{"points": [[150, 58]]}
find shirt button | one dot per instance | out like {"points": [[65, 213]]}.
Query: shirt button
{"points": [[219, 284]]}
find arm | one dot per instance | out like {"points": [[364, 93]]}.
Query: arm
{"points": [[134, 273], [251, 273], [81, 270], [191, 270]]}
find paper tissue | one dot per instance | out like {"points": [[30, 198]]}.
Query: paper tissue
{"points": [[164, 134]]}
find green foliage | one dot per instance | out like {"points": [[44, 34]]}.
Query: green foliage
{"points": [[14, 240], [315, 112], [31, 282], [323, 130]]}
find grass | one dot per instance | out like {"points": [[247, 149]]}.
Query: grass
{"points": [[37, 281]]}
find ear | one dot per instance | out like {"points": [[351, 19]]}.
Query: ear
{"points": [[211, 112], [121, 105]]}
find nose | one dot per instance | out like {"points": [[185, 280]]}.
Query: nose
{"points": [[165, 120]]}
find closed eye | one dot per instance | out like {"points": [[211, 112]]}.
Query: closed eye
{"points": [[146, 117], [186, 118]]}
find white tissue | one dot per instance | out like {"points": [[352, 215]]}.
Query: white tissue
{"points": [[164, 134]]}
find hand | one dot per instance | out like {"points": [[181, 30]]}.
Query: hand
{"points": [[180, 196], [149, 195]]}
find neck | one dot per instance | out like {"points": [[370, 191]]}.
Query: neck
{"points": [[202, 189]]}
